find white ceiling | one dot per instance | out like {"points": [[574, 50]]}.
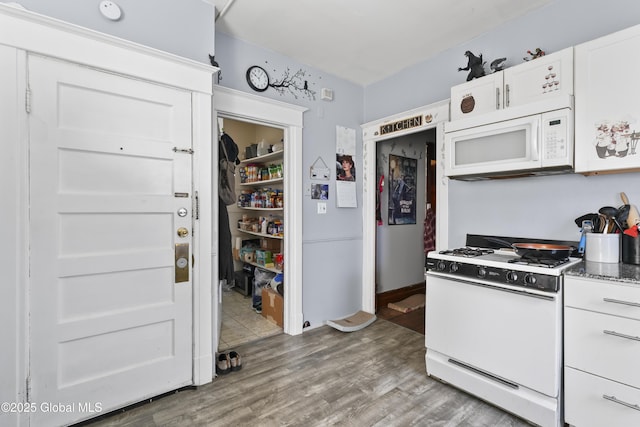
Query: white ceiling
{"points": [[363, 41]]}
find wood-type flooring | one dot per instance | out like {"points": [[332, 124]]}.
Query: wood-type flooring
{"points": [[413, 320], [323, 377]]}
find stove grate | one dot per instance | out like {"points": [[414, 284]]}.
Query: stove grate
{"points": [[539, 262], [467, 252]]}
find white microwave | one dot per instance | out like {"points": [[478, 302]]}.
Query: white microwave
{"points": [[537, 144]]}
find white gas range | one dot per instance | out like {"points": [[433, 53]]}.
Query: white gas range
{"points": [[494, 328]]}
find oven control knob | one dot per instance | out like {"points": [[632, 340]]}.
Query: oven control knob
{"points": [[441, 265], [512, 276], [482, 272], [530, 279], [454, 267]]}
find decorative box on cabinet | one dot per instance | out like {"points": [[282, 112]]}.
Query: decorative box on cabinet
{"points": [[532, 81], [601, 353], [607, 114]]}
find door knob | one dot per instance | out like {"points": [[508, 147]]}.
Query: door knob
{"points": [[183, 232]]}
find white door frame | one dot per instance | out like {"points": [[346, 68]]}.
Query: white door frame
{"points": [[405, 123], [256, 109]]}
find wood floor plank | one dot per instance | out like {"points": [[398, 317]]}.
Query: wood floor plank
{"points": [[372, 377]]}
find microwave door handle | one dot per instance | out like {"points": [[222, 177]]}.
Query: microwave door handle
{"points": [[535, 140]]}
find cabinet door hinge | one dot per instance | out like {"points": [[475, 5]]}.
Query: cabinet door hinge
{"points": [[27, 100]]}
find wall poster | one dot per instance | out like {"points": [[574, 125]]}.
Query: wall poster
{"points": [[402, 190]]}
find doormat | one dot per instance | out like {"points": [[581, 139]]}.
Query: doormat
{"points": [[408, 304], [355, 322]]}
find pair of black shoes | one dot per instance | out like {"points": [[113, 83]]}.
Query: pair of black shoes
{"points": [[228, 362]]}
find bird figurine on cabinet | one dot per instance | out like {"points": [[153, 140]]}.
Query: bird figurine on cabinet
{"points": [[537, 54], [497, 64], [475, 66]]}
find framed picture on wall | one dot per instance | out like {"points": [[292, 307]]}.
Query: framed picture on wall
{"points": [[402, 190]]}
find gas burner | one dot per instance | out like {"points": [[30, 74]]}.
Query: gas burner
{"points": [[539, 262], [467, 252]]}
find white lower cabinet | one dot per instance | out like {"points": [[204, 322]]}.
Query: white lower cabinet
{"points": [[601, 353], [591, 400]]}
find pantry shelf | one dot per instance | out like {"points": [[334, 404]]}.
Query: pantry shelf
{"points": [[268, 236], [262, 182], [265, 158]]}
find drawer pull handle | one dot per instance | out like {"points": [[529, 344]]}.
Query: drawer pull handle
{"points": [[617, 301], [615, 400], [618, 334]]}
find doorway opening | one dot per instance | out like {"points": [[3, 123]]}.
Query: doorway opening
{"points": [[287, 119], [428, 118], [251, 233], [406, 172]]}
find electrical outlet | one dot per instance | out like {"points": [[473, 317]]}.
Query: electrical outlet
{"points": [[322, 208]]}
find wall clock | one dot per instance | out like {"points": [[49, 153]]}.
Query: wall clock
{"points": [[257, 78]]}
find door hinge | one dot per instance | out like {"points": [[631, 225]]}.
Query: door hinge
{"points": [[27, 100], [196, 208], [28, 389], [182, 150]]}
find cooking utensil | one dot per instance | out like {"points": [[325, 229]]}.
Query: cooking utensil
{"points": [[587, 227], [586, 217], [623, 214], [634, 217], [536, 250], [610, 213]]}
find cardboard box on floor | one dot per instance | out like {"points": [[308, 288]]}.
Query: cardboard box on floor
{"points": [[272, 306]]}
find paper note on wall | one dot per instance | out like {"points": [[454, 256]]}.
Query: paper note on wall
{"points": [[345, 141], [346, 194]]}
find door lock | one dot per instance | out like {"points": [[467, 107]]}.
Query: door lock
{"points": [[182, 262], [183, 232]]}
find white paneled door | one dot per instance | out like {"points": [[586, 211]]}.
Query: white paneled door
{"points": [[111, 280]]}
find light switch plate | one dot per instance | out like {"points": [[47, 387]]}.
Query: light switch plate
{"points": [[322, 208]]}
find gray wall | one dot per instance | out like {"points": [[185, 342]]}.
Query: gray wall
{"points": [[181, 27], [538, 207], [394, 271]]}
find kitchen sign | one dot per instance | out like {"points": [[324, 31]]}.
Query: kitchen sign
{"points": [[404, 124]]}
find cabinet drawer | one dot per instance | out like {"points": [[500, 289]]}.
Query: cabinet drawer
{"points": [[605, 345], [605, 297], [585, 404]]}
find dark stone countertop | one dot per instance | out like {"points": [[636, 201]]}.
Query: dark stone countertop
{"points": [[627, 273]]}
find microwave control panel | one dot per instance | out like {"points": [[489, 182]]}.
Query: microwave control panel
{"points": [[557, 138]]}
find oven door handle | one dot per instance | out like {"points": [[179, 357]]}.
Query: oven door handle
{"points": [[497, 288]]}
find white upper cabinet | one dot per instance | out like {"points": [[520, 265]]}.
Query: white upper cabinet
{"points": [[477, 96], [606, 103], [537, 80]]}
